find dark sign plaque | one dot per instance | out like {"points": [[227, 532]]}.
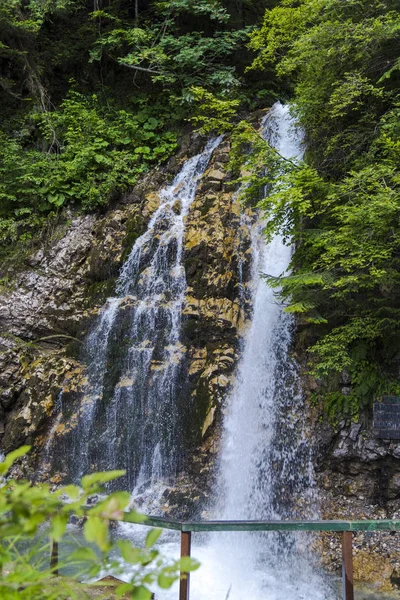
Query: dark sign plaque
{"points": [[387, 417]]}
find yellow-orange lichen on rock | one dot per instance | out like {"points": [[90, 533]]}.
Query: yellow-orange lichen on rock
{"points": [[372, 568]]}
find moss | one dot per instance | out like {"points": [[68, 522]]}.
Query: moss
{"points": [[135, 227], [372, 568], [208, 203], [102, 266], [13, 257], [13, 260], [98, 292], [190, 330], [73, 350]]}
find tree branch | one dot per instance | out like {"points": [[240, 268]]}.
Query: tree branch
{"points": [[137, 68]]}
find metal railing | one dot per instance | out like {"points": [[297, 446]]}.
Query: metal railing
{"points": [[188, 527]]}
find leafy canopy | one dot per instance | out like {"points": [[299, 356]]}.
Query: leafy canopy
{"points": [[29, 514], [340, 207]]}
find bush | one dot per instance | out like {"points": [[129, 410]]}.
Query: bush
{"points": [[30, 514]]}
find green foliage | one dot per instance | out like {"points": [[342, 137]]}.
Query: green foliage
{"points": [[25, 512], [342, 58], [171, 57], [93, 94], [93, 152], [341, 209], [213, 114]]}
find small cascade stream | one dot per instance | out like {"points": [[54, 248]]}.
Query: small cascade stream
{"points": [[264, 458], [129, 415]]}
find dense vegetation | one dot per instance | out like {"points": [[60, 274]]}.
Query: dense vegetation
{"points": [[95, 93], [343, 206]]}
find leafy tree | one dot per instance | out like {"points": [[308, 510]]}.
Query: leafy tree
{"points": [[26, 511], [341, 208], [172, 54]]}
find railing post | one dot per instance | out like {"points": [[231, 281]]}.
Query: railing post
{"points": [[186, 538], [347, 565], [54, 558]]}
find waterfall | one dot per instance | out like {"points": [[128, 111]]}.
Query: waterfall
{"points": [[134, 408], [254, 460], [133, 415], [265, 463]]}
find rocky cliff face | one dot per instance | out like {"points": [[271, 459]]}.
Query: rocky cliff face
{"points": [[45, 314], [51, 303], [358, 476]]}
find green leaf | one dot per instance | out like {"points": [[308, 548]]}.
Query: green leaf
{"points": [[12, 457], [84, 554], [56, 199], [124, 589], [72, 491], [151, 123], [141, 593], [113, 506], [165, 581], [58, 526], [135, 517], [129, 553], [96, 531], [299, 307], [152, 537], [142, 150], [32, 522], [96, 479], [188, 564]]}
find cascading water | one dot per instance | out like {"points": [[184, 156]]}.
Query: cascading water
{"points": [[259, 468], [265, 463], [130, 413]]}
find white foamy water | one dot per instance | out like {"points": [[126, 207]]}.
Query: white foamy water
{"points": [[265, 469], [129, 414]]}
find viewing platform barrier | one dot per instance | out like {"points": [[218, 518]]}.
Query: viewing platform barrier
{"points": [[346, 528]]}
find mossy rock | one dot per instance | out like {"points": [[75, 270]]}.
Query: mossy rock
{"points": [[98, 292], [135, 227], [207, 204]]}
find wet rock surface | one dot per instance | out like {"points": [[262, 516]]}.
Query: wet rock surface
{"points": [[52, 302], [47, 312], [218, 272], [358, 477]]}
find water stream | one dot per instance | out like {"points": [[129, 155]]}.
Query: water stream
{"points": [[130, 416], [265, 467]]}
